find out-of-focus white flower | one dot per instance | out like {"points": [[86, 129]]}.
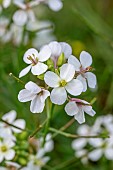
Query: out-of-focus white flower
{"points": [[49, 144], [36, 95], [3, 25], [10, 118], [54, 5], [6, 151], [6, 133], [63, 83], [11, 165], [82, 68], [57, 49], [77, 107], [35, 61], [78, 144], [101, 147], [6, 3]]}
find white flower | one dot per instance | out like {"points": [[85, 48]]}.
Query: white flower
{"points": [[79, 144], [3, 25], [63, 83], [10, 118], [55, 5], [36, 95], [35, 61], [82, 68], [57, 49], [6, 3], [6, 151], [49, 144], [77, 107], [101, 147], [12, 165]]}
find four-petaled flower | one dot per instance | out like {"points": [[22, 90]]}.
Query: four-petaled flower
{"points": [[77, 107], [82, 69], [36, 60], [36, 95], [63, 83], [6, 151]]}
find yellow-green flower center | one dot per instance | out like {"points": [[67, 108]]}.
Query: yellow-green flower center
{"points": [[38, 162], [3, 148], [63, 83]]}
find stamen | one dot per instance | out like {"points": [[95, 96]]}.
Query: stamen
{"points": [[63, 83]]}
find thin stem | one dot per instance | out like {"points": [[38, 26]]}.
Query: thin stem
{"points": [[68, 124], [93, 101], [49, 112], [69, 135], [16, 78], [38, 129], [14, 125], [41, 29]]}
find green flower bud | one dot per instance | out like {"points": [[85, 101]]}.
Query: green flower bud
{"points": [[22, 161], [50, 64], [41, 77], [60, 60]]}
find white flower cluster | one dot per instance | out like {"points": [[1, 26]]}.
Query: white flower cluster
{"points": [[10, 146], [24, 21], [101, 146], [63, 74]]}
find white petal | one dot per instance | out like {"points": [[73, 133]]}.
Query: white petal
{"points": [[1, 157], [109, 153], [83, 80], [10, 154], [19, 3], [67, 72], [10, 116], [44, 54], [55, 49], [19, 123], [79, 143], [39, 68], [25, 95], [55, 5], [58, 95], [45, 94], [52, 79], [75, 62], [95, 155], [36, 105], [31, 52], [85, 59], [24, 71], [74, 87], [71, 108], [33, 87], [91, 78], [80, 116], [83, 130], [9, 143], [66, 49], [91, 113], [97, 142], [6, 3], [20, 17]]}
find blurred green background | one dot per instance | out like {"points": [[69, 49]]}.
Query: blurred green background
{"points": [[86, 25]]}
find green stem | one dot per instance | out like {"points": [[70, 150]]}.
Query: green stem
{"points": [[68, 124], [69, 135], [38, 129], [16, 78], [49, 110]]}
